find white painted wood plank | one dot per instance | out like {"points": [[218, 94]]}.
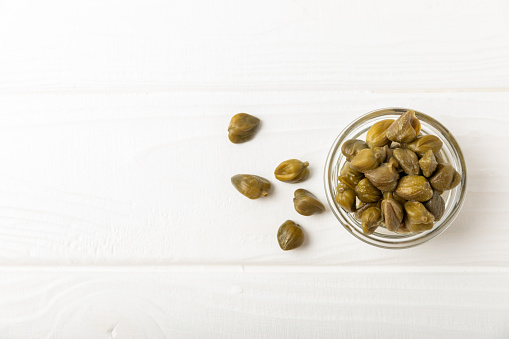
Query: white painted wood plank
{"points": [[152, 45], [145, 179], [131, 304]]}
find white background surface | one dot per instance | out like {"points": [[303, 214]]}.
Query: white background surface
{"points": [[117, 216]]}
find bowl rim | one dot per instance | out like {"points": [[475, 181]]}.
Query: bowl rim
{"points": [[426, 236]]}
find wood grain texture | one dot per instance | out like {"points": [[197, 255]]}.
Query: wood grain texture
{"points": [[160, 45], [158, 304], [117, 216], [134, 179]]}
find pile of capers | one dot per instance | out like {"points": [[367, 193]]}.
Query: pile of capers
{"points": [[395, 178], [290, 235]]}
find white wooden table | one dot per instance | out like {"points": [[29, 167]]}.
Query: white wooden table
{"points": [[117, 216]]}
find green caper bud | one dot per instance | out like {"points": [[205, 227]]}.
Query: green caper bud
{"points": [[351, 147], [345, 197], [384, 177], [425, 143], [408, 161], [367, 192], [376, 134], [242, 127], [306, 203], [292, 171], [405, 128], [290, 235], [436, 205], [428, 163], [371, 219], [392, 213], [417, 213], [414, 187], [366, 160], [417, 228], [350, 176], [445, 178], [252, 186], [364, 206]]}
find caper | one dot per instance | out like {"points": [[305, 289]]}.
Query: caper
{"points": [[367, 192], [376, 134], [290, 235], [417, 213], [414, 187], [345, 197], [351, 147], [306, 203], [428, 163], [436, 205], [292, 171], [408, 160], [384, 177], [417, 228], [242, 127], [445, 178], [366, 160], [252, 186], [350, 176], [364, 206], [405, 128], [371, 219], [392, 213], [425, 143]]}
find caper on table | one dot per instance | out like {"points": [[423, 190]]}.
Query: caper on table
{"points": [[306, 203], [290, 235], [242, 127], [292, 171], [252, 186]]}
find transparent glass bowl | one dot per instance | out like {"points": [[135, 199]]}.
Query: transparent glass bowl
{"points": [[451, 153]]}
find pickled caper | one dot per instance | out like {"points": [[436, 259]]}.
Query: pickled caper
{"points": [[306, 203], [371, 219], [350, 176], [445, 178], [436, 205], [408, 160], [242, 127], [292, 171], [417, 213], [367, 192], [392, 213], [252, 186], [428, 163], [384, 177], [364, 206], [405, 128], [366, 160], [414, 187], [376, 134], [345, 197], [425, 143], [416, 228], [290, 235], [351, 147]]}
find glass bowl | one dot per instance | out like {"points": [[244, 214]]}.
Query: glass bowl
{"points": [[450, 153]]}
